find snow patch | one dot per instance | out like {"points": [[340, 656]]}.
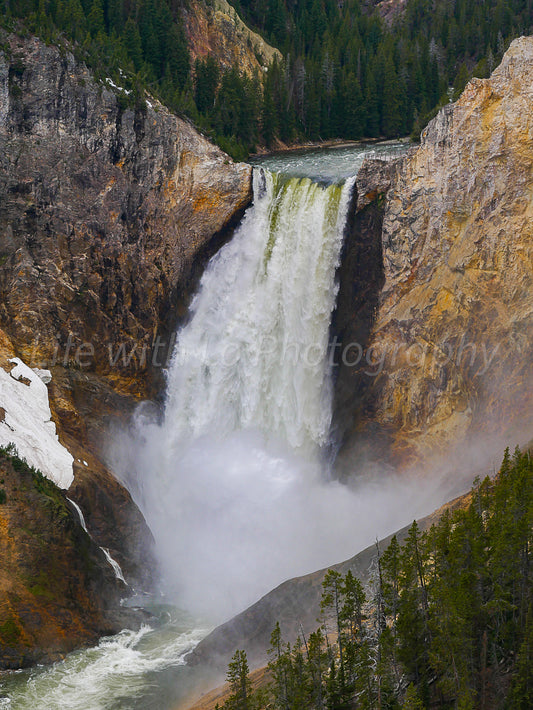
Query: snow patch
{"points": [[118, 88], [28, 422]]}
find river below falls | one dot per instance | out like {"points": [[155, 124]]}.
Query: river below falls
{"points": [[146, 669]]}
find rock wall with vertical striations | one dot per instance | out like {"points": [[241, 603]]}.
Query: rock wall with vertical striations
{"points": [[214, 28], [451, 343]]}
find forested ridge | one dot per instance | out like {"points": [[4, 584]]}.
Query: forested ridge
{"points": [[445, 622], [345, 73]]}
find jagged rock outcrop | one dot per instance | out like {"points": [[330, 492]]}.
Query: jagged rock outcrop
{"points": [[217, 30], [452, 338], [103, 210], [108, 208]]}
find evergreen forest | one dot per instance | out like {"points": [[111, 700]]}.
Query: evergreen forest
{"points": [[446, 620], [345, 72]]}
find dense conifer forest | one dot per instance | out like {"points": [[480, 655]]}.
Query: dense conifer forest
{"points": [[446, 621], [345, 73]]}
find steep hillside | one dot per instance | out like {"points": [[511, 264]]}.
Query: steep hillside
{"points": [[414, 620], [295, 604], [449, 347], [57, 590]]}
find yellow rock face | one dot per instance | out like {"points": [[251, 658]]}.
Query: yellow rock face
{"points": [[455, 319]]}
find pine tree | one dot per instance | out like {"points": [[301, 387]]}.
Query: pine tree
{"points": [[391, 118], [412, 701], [206, 83], [133, 44], [412, 622], [460, 81], [371, 104], [280, 667], [96, 18], [238, 677], [521, 695]]}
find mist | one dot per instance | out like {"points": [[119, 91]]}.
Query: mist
{"points": [[234, 517], [231, 477]]}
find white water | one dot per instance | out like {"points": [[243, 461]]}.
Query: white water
{"points": [[80, 515], [119, 673], [254, 354], [234, 469], [114, 564]]}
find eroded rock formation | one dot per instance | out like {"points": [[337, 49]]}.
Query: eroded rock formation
{"points": [[103, 210], [451, 342], [217, 30]]}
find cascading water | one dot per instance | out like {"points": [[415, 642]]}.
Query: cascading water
{"points": [[255, 353], [231, 479], [234, 469], [113, 563]]}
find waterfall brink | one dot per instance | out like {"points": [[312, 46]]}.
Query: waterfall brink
{"points": [[255, 352]]}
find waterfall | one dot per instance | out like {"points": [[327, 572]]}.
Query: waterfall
{"points": [[114, 565], [232, 475], [255, 352], [81, 516]]}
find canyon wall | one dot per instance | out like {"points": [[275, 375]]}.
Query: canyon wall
{"points": [[449, 344], [215, 29], [109, 207]]}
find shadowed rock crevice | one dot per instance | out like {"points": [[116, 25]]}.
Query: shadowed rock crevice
{"points": [[361, 278]]}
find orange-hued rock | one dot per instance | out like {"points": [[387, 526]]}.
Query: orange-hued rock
{"points": [[450, 344], [260, 679], [103, 211], [215, 29], [105, 214]]}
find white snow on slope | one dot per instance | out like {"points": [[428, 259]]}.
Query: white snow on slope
{"points": [[28, 423]]}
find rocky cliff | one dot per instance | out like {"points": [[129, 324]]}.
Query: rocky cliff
{"points": [[56, 588], [216, 29], [104, 207], [109, 205], [448, 346]]}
